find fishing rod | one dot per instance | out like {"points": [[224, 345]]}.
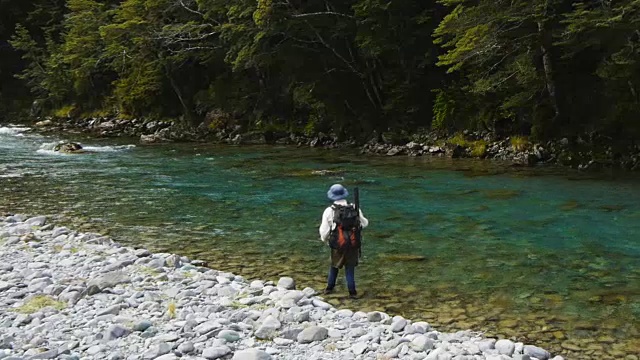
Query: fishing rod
{"points": [[356, 201], [356, 198]]}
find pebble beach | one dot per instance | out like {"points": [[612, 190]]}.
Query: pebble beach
{"points": [[66, 294]]}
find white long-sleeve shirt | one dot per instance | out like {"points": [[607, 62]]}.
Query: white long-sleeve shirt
{"points": [[327, 223]]}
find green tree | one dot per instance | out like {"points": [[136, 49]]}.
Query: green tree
{"points": [[505, 49], [82, 52], [602, 41], [157, 48], [352, 67], [38, 21]]}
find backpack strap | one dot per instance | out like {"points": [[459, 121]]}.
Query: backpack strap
{"points": [[338, 206], [334, 207]]}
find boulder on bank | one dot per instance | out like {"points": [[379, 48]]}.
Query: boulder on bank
{"points": [[456, 151], [153, 139], [44, 123]]}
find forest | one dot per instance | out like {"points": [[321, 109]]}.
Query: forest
{"points": [[356, 68]]}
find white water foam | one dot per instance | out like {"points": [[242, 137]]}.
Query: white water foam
{"points": [[47, 148], [108, 148], [50, 152], [13, 130]]}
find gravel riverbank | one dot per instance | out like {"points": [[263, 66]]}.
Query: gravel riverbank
{"points": [[71, 295]]}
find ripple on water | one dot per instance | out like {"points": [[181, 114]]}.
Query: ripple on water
{"points": [[504, 254]]}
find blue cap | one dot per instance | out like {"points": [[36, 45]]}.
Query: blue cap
{"points": [[337, 192]]}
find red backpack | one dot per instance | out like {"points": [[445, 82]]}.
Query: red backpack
{"points": [[347, 233]]}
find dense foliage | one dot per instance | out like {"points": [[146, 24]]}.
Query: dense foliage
{"points": [[354, 67]]}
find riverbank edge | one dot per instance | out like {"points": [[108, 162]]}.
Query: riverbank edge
{"points": [[589, 152], [75, 295]]}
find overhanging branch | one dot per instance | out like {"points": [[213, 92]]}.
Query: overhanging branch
{"points": [[184, 6], [321, 13]]}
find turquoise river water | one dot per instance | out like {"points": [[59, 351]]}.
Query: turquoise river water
{"points": [[544, 256]]}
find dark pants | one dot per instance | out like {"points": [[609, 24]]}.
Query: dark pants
{"points": [[350, 272]]}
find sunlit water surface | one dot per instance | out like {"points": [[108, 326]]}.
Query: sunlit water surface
{"points": [[542, 256]]}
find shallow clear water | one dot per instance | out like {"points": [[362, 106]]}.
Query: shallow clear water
{"points": [[542, 256]]}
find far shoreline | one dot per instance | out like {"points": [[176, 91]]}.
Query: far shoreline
{"points": [[590, 153]]}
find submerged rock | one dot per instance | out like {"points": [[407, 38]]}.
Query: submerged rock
{"points": [[69, 148]]}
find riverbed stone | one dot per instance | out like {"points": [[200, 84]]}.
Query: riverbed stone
{"points": [[6, 267], [505, 347], [312, 333], [521, 357], [292, 333], [359, 348], [215, 352], [167, 357], [536, 352], [251, 354], [186, 347], [142, 253], [59, 231], [486, 345], [49, 354], [19, 230], [106, 281], [95, 349], [38, 285], [422, 343], [112, 310], [114, 332], [374, 316], [156, 350], [37, 221], [207, 327], [287, 283], [268, 328], [168, 338], [398, 325], [229, 335], [142, 325]]}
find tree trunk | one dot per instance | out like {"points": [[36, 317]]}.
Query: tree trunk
{"points": [[547, 64], [185, 109], [634, 93]]}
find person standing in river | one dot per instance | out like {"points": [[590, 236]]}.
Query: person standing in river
{"points": [[340, 228]]}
